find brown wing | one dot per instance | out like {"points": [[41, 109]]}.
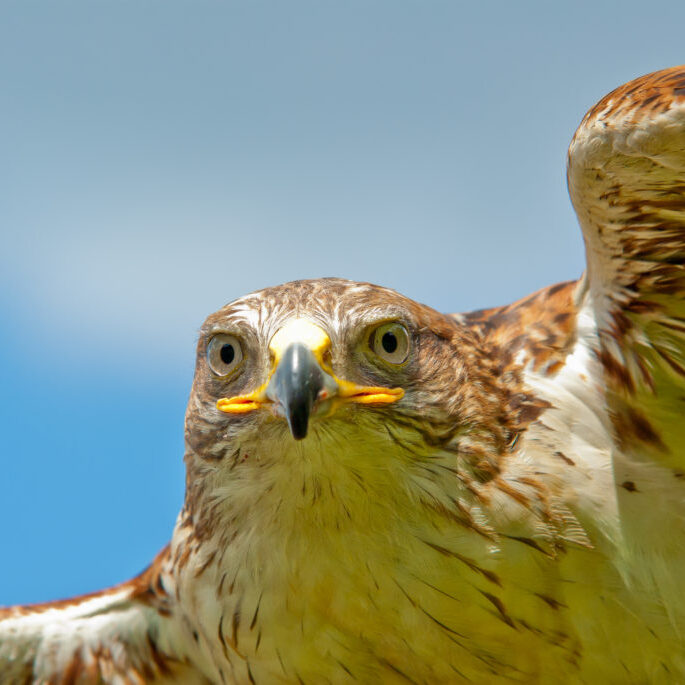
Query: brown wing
{"points": [[539, 329], [122, 635], [626, 176]]}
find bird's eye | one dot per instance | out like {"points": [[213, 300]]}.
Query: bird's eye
{"points": [[224, 354], [390, 342]]}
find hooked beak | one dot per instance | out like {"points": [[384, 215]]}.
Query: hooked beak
{"points": [[297, 385], [301, 382]]}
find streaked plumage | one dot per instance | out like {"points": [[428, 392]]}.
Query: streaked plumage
{"points": [[489, 497]]}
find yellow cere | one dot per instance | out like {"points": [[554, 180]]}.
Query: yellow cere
{"points": [[300, 331]]}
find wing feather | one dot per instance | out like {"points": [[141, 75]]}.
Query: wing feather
{"points": [[626, 176], [125, 635]]}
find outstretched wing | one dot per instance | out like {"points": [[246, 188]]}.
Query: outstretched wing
{"points": [[123, 635], [626, 176]]}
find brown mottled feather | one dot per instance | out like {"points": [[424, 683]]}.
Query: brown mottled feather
{"points": [[125, 659], [539, 327], [626, 174]]}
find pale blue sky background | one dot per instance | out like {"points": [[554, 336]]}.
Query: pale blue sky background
{"points": [[160, 158]]}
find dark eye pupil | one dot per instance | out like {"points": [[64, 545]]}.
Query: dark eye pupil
{"points": [[389, 342], [227, 353]]}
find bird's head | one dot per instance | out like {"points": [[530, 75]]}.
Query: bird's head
{"points": [[312, 381]]}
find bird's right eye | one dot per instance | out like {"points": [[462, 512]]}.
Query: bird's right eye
{"points": [[224, 354]]}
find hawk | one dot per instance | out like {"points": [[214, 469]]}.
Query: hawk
{"points": [[378, 492]]}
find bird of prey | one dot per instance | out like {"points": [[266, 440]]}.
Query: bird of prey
{"points": [[380, 493]]}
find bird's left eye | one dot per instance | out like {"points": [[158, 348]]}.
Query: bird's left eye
{"points": [[390, 342], [224, 354]]}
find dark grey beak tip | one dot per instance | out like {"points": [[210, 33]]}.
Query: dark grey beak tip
{"points": [[299, 423]]}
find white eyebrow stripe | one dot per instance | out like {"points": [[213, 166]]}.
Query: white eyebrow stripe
{"points": [[246, 313]]}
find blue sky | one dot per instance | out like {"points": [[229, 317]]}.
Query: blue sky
{"points": [[159, 159]]}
